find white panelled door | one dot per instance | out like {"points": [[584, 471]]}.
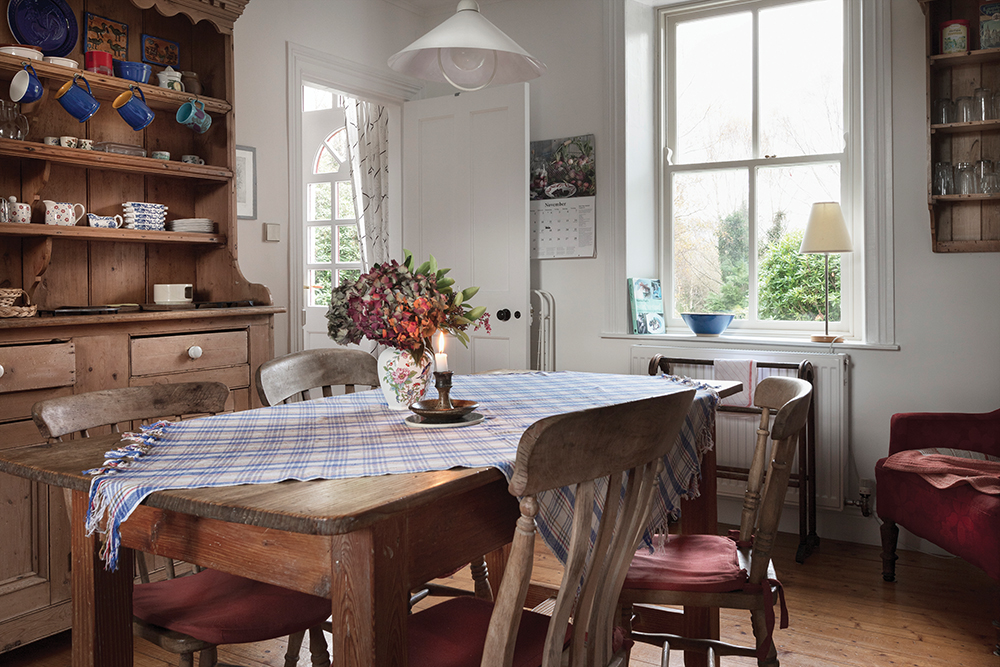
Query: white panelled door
{"points": [[465, 201]]}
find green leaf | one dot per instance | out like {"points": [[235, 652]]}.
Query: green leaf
{"points": [[458, 299], [407, 259], [469, 292], [423, 268], [475, 313], [443, 283], [433, 265]]}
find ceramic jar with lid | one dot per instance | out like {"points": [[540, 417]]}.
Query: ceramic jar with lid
{"points": [[191, 82]]}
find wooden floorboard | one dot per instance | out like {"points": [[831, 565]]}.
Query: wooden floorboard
{"points": [[937, 614]]}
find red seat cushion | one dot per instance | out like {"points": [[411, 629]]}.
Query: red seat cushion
{"points": [[224, 608], [706, 563], [959, 519], [453, 633]]}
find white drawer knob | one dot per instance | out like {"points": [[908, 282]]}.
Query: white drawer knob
{"points": [[194, 352], [1, 371]]}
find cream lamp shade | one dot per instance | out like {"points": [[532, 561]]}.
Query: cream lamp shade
{"points": [[468, 52], [826, 230]]}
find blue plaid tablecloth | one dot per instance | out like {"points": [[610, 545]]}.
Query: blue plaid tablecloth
{"points": [[356, 435]]}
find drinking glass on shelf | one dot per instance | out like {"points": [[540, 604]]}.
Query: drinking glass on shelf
{"points": [[944, 183], [963, 110], [944, 111], [965, 179], [982, 104], [986, 177]]}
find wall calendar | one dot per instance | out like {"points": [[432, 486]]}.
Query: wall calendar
{"points": [[563, 188]]}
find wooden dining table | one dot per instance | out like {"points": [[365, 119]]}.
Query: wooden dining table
{"points": [[363, 542]]}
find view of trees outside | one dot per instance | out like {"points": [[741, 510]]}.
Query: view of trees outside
{"points": [[721, 213], [331, 159]]}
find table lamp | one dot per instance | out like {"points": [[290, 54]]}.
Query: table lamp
{"points": [[826, 232], [468, 52]]}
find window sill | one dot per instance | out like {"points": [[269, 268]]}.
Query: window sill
{"points": [[746, 341]]}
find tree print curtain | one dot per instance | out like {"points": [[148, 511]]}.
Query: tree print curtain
{"points": [[367, 144]]}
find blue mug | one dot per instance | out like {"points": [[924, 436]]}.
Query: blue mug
{"points": [[25, 86], [78, 102], [133, 109]]}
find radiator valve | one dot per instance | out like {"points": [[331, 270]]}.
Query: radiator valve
{"points": [[865, 493]]}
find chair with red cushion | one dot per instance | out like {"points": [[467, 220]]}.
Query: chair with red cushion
{"points": [[959, 518], [728, 571], [621, 443], [193, 613]]}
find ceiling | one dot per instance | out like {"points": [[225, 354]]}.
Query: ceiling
{"points": [[432, 7]]}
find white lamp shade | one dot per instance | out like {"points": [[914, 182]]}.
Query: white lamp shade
{"points": [[826, 230], [465, 38]]}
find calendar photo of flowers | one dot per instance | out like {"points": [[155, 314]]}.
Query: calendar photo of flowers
{"points": [[562, 168]]}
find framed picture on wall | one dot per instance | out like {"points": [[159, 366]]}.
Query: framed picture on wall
{"points": [[246, 182], [103, 34]]}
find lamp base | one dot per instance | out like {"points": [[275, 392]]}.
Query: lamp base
{"points": [[820, 338]]}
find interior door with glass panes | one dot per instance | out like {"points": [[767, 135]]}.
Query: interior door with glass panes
{"points": [[332, 252]]}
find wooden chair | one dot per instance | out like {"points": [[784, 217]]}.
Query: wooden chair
{"points": [[292, 376], [624, 443], [731, 572], [189, 614]]}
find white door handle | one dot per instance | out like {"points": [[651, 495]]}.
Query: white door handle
{"points": [[1, 371], [194, 352]]}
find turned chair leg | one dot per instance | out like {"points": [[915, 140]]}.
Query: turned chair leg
{"points": [[293, 648], [318, 647], [758, 622], [890, 534]]}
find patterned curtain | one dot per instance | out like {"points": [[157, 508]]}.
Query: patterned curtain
{"points": [[367, 144]]}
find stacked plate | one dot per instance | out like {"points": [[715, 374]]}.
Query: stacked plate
{"points": [[199, 225], [140, 215]]}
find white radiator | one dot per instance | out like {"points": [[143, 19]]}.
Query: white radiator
{"points": [[736, 433]]}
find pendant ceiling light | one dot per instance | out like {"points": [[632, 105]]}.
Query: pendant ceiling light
{"points": [[468, 52]]}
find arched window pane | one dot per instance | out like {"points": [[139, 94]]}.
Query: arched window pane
{"points": [[338, 142], [326, 163]]}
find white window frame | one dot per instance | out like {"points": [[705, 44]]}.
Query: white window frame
{"points": [[343, 175], [850, 181], [630, 30]]}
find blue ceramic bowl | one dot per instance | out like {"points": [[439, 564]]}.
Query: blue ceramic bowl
{"points": [[707, 324], [133, 71]]}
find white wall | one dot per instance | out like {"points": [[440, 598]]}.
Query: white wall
{"points": [[947, 306], [363, 31]]}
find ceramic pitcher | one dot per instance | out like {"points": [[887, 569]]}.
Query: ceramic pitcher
{"points": [[62, 213]]}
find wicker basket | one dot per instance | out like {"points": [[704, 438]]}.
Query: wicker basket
{"points": [[8, 295], [7, 307]]}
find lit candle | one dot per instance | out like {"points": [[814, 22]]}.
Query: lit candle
{"points": [[440, 358]]}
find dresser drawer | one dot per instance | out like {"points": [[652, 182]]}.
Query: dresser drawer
{"points": [[179, 354], [42, 366]]}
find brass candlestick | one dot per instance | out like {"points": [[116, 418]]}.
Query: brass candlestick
{"points": [[442, 382]]}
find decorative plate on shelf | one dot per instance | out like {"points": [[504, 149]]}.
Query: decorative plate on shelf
{"points": [[47, 24]]}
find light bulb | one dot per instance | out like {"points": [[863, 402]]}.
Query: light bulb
{"points": [[467, 60]]}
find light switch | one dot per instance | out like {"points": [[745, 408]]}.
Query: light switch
{"points": [[272, 231]]}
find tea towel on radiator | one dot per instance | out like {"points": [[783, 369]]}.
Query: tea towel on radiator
{"points": [[740, 370]]}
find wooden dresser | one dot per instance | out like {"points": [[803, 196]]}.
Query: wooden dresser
{"points": [[54, 355]]}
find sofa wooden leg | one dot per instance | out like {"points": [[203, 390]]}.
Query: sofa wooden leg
{"points": [[890, 534]]}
